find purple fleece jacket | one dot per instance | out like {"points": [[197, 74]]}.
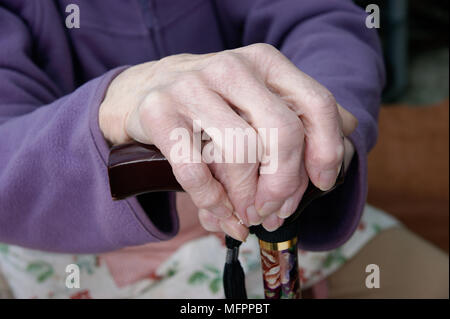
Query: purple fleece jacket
{"points": [[54, 192]]}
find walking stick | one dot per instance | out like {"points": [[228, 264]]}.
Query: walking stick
{"points": [[136, 168]]}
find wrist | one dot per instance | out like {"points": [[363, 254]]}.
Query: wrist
{"points": [[113, 112], [123, 95]]}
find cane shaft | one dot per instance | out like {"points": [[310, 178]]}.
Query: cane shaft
{"points": [[279, 263]]}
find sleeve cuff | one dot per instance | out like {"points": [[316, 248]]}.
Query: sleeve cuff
{"points": [[151, 232]]}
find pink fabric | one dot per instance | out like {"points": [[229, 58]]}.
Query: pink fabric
{"points": [[132, 264], [320, 290]]}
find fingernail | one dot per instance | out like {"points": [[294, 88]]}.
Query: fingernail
{"points": [[252, 215], [289, 206], [327, 179], [232, 227], [268, 208], [271, 223]]}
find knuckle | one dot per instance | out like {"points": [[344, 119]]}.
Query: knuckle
{"points": [[328, 157], [157, 97], [265, 55], [190, 83], [228, 59], [226, 70], [155, 105], [264, 48], [321, 99], [226, 66]]}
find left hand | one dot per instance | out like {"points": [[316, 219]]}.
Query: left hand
{"points": [[273, 221]]}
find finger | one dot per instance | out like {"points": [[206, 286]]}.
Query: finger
{"points": [[195, 177], [274, 189], [272, 222], [209, 221], [234, 138], [313, 103], [281, 152], [234, 227], [291, 204], [349, 121], [349, 152], [253, 217]]}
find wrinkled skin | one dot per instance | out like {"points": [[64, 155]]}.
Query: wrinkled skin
{"points": [[249, 88]]}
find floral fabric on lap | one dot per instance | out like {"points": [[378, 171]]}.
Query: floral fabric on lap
{"points": [[193, 271]]}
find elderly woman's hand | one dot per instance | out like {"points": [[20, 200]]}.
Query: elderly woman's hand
{"points": [[248, 88]]}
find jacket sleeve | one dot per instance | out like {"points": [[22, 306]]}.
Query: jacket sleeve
{"points": [[329, 41], [54, 192]]}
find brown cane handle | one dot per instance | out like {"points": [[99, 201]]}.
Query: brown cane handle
{"points": [[135, 168]]}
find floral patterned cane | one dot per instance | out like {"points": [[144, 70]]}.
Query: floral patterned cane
{"points": [[279, 263]]}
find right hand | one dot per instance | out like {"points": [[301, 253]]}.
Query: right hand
{"points": [[248, 88]]}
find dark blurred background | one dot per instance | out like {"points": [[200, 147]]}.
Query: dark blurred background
{"points": [[409, 167]]}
